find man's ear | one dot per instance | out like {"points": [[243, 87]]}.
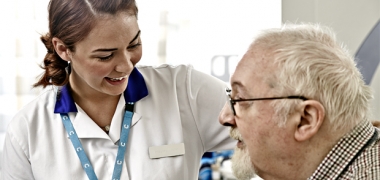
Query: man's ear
{"points": [[61, 49], [311, 119]]}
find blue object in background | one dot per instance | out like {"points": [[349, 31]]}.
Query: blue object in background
{"points": [[209, 159], [368, 55]]}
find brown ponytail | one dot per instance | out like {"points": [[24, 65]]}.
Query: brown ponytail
{"points": [[54, 66]]}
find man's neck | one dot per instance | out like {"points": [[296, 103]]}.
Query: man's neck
{"points": [[317, 150], [304, 159]]}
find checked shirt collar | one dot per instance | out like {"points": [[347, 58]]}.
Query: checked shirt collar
{"points": [[345, 151]]}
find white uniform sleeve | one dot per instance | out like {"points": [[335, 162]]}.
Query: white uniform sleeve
{"points": [[207, 97], [14, 163]]}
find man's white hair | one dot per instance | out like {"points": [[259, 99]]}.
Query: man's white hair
{"points": [[313, 64]]}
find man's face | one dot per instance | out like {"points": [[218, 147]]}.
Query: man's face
{"points": [[257, 122]]}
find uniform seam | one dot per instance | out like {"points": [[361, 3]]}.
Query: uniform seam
{"points": [[189, 95]]}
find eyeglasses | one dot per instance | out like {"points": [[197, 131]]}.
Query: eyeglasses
{"points": [[233, 101]]}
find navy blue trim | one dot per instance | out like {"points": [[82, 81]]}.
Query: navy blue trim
{"points": [[136, 88], [65, 102], [135, 91]]}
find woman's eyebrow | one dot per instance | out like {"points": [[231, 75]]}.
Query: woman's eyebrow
{"points": [[114, 49], [104, 49]]}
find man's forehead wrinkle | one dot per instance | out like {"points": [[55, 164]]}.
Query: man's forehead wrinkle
{"points": [[271, 84]]}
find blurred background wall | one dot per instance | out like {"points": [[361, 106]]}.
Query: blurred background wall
{"points": [[209, 34]]}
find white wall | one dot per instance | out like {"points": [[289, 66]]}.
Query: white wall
{"points": [[351, 19]]}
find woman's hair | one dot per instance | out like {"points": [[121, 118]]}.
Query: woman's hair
{"points": [[71, 21], [313, 64]]}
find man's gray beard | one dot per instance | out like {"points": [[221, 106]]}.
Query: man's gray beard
{"points": [[242, 165]]}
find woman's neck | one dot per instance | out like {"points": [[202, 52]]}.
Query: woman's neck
{"points": [[98, 106]]}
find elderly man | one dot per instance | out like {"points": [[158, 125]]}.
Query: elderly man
{"points": [[299, 108]]}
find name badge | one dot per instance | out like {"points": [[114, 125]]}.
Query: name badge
{"points": [[166, 150]]}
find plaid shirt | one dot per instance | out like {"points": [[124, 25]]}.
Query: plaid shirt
{"points": [[355, 156]]}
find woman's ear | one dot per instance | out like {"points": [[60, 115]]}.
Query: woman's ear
{"points": [[311, 119], [61, 49]]}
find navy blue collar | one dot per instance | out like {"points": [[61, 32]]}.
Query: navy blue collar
{"points": [[135, 91]]}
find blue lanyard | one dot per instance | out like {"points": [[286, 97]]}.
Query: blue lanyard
{"points": [[86, 164]]}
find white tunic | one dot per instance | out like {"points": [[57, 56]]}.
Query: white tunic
{"points": [[182, 107]]}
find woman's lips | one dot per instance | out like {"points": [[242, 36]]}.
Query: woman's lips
{"points": [[115, 81]]}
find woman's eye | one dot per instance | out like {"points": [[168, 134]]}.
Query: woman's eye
{"points": [[134, 46], [105, 58]]}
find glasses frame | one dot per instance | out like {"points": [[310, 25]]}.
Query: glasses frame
{"points": [[233, 101]]}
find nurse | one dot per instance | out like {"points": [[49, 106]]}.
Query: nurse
{"points": [[101, 117]]}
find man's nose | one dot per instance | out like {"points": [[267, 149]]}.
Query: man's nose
{"points": [[226, 116]]}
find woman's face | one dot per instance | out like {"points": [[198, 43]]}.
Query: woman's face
{"points": [[103, 61]]}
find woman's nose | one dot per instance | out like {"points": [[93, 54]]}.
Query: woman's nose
{"points": [[226, 116], [124, 64]]}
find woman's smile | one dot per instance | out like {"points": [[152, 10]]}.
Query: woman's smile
{"points": [[115, 81]]}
